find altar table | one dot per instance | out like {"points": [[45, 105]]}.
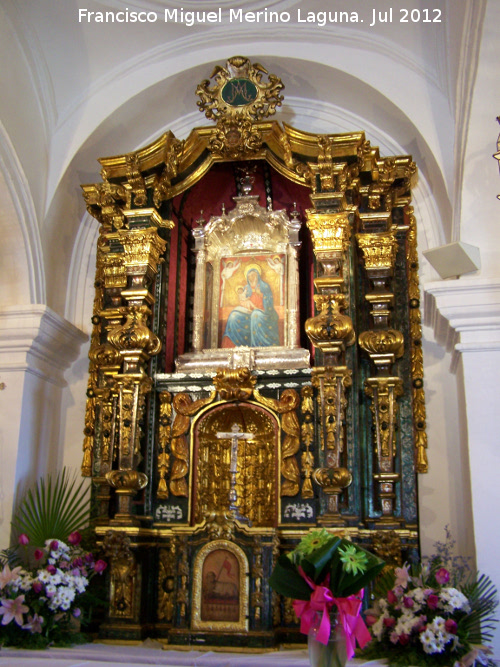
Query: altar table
{"points": [[152, 653]]}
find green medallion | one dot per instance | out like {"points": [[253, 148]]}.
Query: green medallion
{"points": [[239, 92]]}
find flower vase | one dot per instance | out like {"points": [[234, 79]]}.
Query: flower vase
{"points": [[333, 654]]}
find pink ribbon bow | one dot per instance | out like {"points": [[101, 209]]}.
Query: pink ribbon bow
{"points": [[321, 602]]}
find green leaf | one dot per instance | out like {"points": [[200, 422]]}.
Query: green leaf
{"points": [[286, 580], [54, 508]]}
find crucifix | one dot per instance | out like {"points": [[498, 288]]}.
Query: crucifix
{"points": [[234, 435]]}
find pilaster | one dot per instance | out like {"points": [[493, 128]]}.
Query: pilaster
{"points": [[465, 315]]}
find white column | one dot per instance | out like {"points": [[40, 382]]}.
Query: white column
{"points": [[36, 347], [465, 314]]}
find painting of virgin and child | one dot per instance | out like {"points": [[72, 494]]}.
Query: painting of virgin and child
{"points": [[251, 300]]}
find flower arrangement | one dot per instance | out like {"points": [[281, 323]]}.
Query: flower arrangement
{"points": [[434, 613], [326, 575], [38, 605], [45, 578]]}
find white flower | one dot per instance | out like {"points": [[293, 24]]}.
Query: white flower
{"points": [[43, 576], [452, 600], [428, 640]]}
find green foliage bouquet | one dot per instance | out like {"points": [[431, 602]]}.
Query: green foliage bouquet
{"points": [[324, 573]]}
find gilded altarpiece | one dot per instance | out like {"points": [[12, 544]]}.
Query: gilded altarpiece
{"points": [[255, 365]]}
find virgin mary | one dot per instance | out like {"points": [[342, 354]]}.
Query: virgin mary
{"points": [[254, 322]]}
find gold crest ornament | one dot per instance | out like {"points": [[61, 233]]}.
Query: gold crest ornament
{"points": [[237, 99]]}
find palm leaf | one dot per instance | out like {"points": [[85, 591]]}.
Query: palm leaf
{"points": [[55, 507], [480, 623]]}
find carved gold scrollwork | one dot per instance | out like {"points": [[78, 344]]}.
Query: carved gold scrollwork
{"points": [[183, 574], [184, 408], [378, 250], [307, 435], [164, 437], [286, 406], [134, 340], [235, 136], [238, 89], [331, 331], [387, 545], [125, 579], [173, 154], [332, 384], [142, 248], [384, 392], [329, 231], [136, 180], [417, 362], [166, 581], [384, 346], [235, 384]]}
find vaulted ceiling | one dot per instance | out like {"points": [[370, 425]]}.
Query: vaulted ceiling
{"points": [[74, 90]]}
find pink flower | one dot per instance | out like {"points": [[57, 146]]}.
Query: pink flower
{"points": [[451, 626], [402, 576], [75, 538], [7, 575], [432, 601], [54, 545], [422, 620], [13, 610], [408, 602], [404, 639], [51, 569], [100, 566], [37, 587], [23, 539], [394, 637], [442, 576], [34, 623], [370, 620], [389, 622], [39, 554], [391, 597]]}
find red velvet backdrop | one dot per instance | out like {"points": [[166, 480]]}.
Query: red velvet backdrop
{"points": [[205, 199]]}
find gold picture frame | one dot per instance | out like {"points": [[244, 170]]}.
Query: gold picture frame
{"points": [[220, 588]]}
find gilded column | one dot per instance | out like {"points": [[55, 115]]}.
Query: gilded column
{"points": [[384, 346], [331, 332]]}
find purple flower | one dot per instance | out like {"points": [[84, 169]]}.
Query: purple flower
{"points": [[432, 601], [442, 576], [391, 597], [100, 566], [24, 539], [37, 587], [75, 538], [89, 558], [54, 545], [451, 626], [78, 562], [77, 612], [408, 602], [51, 569]]}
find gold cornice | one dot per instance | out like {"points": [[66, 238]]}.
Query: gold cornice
{"points": [[292, 152]]}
